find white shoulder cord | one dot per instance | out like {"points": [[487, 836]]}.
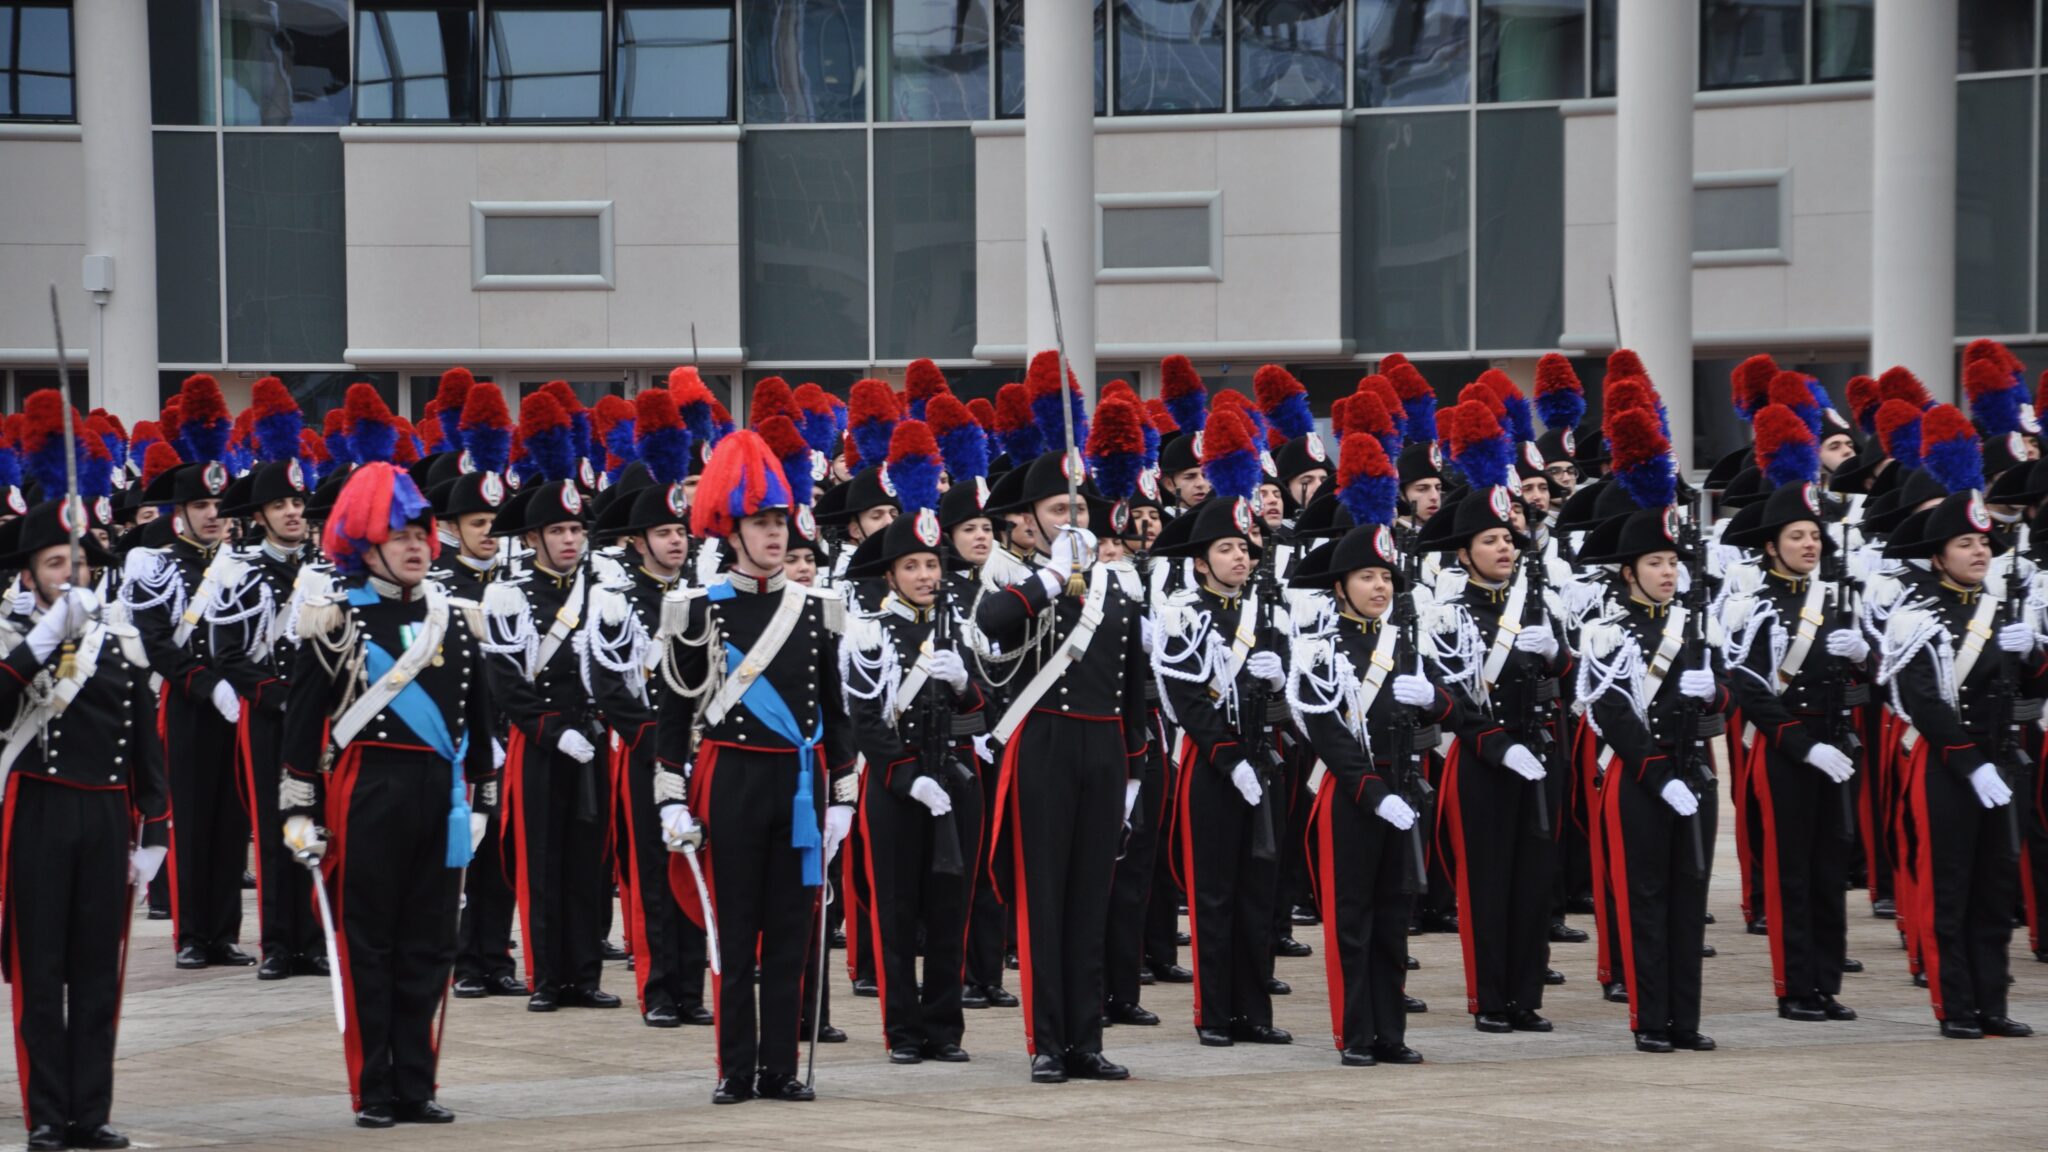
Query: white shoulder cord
{"points": [[1623, 668], [879, 668]]}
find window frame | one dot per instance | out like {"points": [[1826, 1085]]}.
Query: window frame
{"points": [[15, 71], [484, 82], [731, 8], [358, 9], [482, 280], [1212, 201], [1781, 253]]}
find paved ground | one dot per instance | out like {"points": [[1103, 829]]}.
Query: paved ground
{"points": [[215, 1058]]}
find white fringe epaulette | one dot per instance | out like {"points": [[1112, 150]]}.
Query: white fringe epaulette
{"points": [[249, 605], [606, 567], [833, 606], [150, 579], [1909, 628], [508, 625], [1186, 648], [870, 669], [1002, 569], [615, 639], [1609, 659], [674, 635]]}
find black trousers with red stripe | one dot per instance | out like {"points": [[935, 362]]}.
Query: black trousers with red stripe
{"points": [[1805, 870], [484, 938], [564, 871], [209, 827], [287, 923], [395, 904], [905, 894], [1230, 901], [668, 950], [1365, 921], [66, 921], [1131, 890], [988, 918], [1504, 880], [1661, 906], [1967, 888]]}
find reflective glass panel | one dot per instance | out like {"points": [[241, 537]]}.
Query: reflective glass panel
{"points": [[35, 62], [181, 61], [1994, 35], [1751, 43], [1290, 54], [672, 63], [1010, 58], [287, 278], [1603, 47], [806, 61], [1994, 121], [544, 64], [1410, 239], [284, 62], [1520, 185], [804, 245], [1844, 37], [1169, 56], [187, 248], [924, 243], [1413, 52], [1532, 50], [933, 56], [416, 65]]}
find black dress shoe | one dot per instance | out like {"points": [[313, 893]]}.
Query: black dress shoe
{"points": [[1580, 904], [1356, 1058], [1885, 909], [1289, 946], [1563, 933], [2041, 955], [1803, 1008], [103, 1136], [229, 956], [159, 913], [274, 967], [1214, 1037], [733, 1090], [1095, 1066], [782, 1086], [1173, 974], [1251, 1033], [468, 988], [543, 1000], [1692, 1041], [1957, 1030], [309, 964], [1919, 979], [1492, 1022], [971, 996], [1615, 993], [945, 1053], [1144, 975], [610, 951], [1138, 1014], [1305, 914], [1552, 977], [1758, 927], [1413, 1005], [47, 1136], [1710, 918], [1526, 1020], [1653, 1042], [2003, 1026], [839, 938], [1707, 952], [424, 1112], [1000, 997], [829, 1034], [589, 998], [1275, 986], [191, 956], [905, 1054], [662, 1016], [866, 988], [1396, 1054], [696, 1014], [1183, 939], [1048, 1070], [1835, 1009], [248, 881], [375, 1116], [1411, 964], [506, 986], [1851, 964]]}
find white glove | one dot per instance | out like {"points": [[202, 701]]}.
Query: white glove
{"points": [[1538, 640], [1832, 761], [143, 864], [1697, 683], [1844, 642], [478, 825], [1414, 691], [49, 631], [226, 702], [1145, 637], [497, 753], [303, 837], [2017, 637], [984, 749], [1524, 763], [1073, 550], [926, 791], [838, 822], [676, 825], [1267, 666], [1130, 797], [1680, 798], [1247, 782], [947, 668], [576, 746], [1992, 790], [1396, 811]]}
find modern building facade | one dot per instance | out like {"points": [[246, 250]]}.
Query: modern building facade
{"points": [[599, 190]]}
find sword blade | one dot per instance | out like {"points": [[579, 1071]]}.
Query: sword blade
{"points": [[333, 952], [704, 902]]}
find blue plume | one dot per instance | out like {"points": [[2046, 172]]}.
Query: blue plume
{"points": [[1022, 444], [916, 477], [1235, 474], [10, 469], [1293, 416], [338, 448], [1561, 408], [1651, 484], [619, 442], [1795, 462], [1116, 473], [95, 476], [1370, 499], [554, 452], [797, 470], [820, 430], [965, 451], [1151, 446], [1518, 417], [666, 452], [871, 440]]}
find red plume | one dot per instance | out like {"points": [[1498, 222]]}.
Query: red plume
{"points": [[771, 397], [1624, 362], [1751, 384], [1163, 420], [1479, 392], [923, 380], [1389, 362], [1630, 392], [984, 413], [160, 459], [1789, 389], [1896, 383]]}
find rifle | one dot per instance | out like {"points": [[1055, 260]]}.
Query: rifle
{"points": [[1254, 722], [2003, 704], [1695, 770], [1404, 758], [1836, 704], [1536, 614], [935, 747]]}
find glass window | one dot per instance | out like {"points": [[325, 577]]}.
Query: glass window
{"points": [[1290, 54], [544, 64], [1994, 121], [672, 62], [1737, 218], [804, 245], [924, 243], [423, 389], [1603, 47], [806, 61], [1532, 50], [933, 57], [28, 381], [284, 61], [1995, 35], [544, 245], [187, 248], [1413, 52], [1010, 58], [1158, 237], [181, 61], [1410, 243], [1520, 185], [587, 391], [1751, 43], [287, 284], [416, 65], [35, 62], [1169, 56], [1844, 38]]}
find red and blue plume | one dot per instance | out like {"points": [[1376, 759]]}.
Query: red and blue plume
{"points": [[1642, 461], [41, 440], [377, 500], [1632, 392], [1790, 390], [1786, 450], [1999, 355], [314, 457], [113, 435], [984, 412], [922, 383], [433, 438], [239, 455], [1418, 400], [1367, 483], [449, 401], [1042, 382], [96, 464], [1479, 446], [277, 422], [815, 419], [1949, 448], [1230, 454], [721, 421], [659, 435], [140, 438], [408, 450], [334, 433], [1284, 401], [170, 420], [1116, 447], [771, 397], [1121, 389], [693, 401], [549, 437], [160, 458], [742, 478], [1387, 363], [1749, 386], [1897, 383], [203, 419], [1185, 396], [839, 416], [613, 418], [1624, 362], [794, 453], [486, 429], [1898, 429], [1016, 432], [914, 466], [1479, 392], [2041, 394], [1165, 424], [372, 432], [1863, 402], [1995, 397], [962, 444], [1560, 398], [871, 419], [1230, 400], [1367, 413], [1520, 422], [579, 416]]}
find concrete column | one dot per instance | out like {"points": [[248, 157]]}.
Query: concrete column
{"points": [[1657, 53], [111, 40], [1913, 225], [1059, 178]]}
